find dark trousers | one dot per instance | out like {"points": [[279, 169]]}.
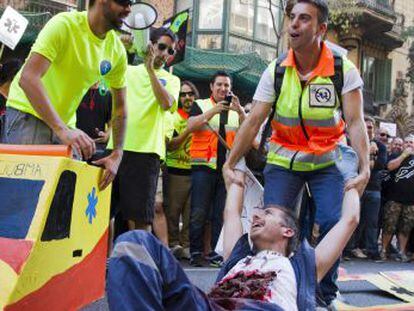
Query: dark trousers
{"points": [[366, 235], [144, 275], [207, 203]]}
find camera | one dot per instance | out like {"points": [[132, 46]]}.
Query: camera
{"points": [[228, 99]]}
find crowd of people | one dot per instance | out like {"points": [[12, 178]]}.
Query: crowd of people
{"points": [[174, 159]]}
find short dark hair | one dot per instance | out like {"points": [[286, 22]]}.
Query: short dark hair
{"points": [[220, 73], [290, 221], [9, 69], [192, 87], [157, 33], [322, 6], [369, 119]]}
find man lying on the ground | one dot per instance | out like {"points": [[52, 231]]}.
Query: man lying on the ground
{"points": [[272, 275]]}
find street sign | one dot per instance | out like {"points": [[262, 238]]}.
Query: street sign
{"points": [[12, 27]]}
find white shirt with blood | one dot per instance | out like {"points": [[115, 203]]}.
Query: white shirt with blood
{"points": [[282, 290]]}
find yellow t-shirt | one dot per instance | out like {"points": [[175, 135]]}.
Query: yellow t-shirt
{"points": [[78, 60], [146, 125]]}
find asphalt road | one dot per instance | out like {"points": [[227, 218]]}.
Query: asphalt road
{"points": [[357, 293]]}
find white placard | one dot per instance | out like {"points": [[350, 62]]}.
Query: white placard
{"points": [[390, 127], [12, 27]]}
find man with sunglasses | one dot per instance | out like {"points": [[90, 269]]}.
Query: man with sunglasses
{"points": [[72, 52], [152, 92], [383, 136]]}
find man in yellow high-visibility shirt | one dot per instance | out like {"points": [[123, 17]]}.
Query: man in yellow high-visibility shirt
{"points": [[152, 91], [307, 123], [72, 52]]}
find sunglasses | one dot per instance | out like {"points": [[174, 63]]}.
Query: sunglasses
{"points": [[163, 47], [384, 134], [184, 94]]}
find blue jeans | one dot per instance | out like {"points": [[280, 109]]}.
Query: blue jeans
{"points": [[366, 234], [207, 203], [282, 187]]}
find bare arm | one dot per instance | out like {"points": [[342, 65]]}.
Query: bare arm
{"points": [[164, 99], [30, 82], [118, 122], [197, 122], [396, 163], [332, 245], [177, 141], [353, 111], [244, 139], [232, 226]]}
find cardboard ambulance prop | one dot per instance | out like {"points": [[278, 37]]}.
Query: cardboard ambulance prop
{"points": [[53, 229]]}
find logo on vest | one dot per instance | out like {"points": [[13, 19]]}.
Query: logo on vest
{"points": [[322, 95], [105, 67]]}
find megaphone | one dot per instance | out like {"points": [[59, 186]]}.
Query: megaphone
{"points": [[138, 23]]}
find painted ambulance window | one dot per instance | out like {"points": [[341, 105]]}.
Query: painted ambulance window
{"points": [[18, 201], [60, 213]]}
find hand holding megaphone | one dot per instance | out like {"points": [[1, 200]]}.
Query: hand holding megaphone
{"points": [[149, 57], [138, 23]]}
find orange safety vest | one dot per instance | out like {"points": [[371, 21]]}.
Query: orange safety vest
{"points": [[204, 143], [308, 123]]}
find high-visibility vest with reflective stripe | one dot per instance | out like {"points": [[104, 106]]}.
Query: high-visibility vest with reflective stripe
{"points": [[306, 127], [180, 158], [204, 143]]}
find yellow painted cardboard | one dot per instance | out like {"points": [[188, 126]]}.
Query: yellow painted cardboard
{"points": [[49, 258]]}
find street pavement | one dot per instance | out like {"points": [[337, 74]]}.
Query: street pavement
{"points": [[356, 293]]}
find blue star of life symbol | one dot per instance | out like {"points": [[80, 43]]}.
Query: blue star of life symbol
{"points": [[91, 208]]}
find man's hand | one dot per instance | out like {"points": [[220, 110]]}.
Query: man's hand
{"points": [[235, 105], [359, 182], [230, 176], [150, 57], [373, 148], [103, 136], [78, 140], [220, 107], [111, 165]]}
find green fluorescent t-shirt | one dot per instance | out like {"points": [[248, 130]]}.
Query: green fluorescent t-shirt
{"points": [[146, 125], [78, 59]]}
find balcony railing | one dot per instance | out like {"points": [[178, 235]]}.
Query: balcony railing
{"points": [[379, 6]]}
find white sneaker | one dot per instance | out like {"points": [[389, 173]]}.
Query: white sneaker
{"points": [[358, 253]]}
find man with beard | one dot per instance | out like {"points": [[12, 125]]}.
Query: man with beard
{"points": [[320, 95], [152, 92], [179, 174], [71, 53]]}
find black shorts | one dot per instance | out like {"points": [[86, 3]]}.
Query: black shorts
{"points": [[135, 186]]}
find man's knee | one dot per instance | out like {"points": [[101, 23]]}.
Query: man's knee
{"points": [[137, 237]]}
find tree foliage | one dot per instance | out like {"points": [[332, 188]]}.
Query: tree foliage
{"points": [[344, 14]]}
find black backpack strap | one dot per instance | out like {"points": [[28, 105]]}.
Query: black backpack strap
{"points": [[279, 74], [338, 77]]}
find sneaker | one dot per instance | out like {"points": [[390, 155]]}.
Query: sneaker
{"points": [[375, 257], [177, 251], [214, 259], [403, 257], [383, 255], [186, 254], [196, 260], [358, 253]]}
